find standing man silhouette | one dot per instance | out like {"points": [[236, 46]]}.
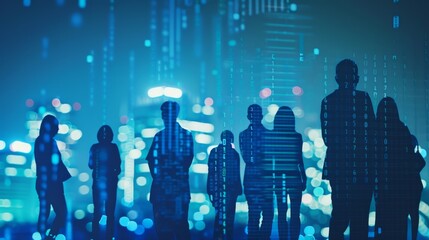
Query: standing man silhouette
{"points": [[169, 158], [105, 162], [258, 180], [224, 185], [348, 130], [51, 173]]}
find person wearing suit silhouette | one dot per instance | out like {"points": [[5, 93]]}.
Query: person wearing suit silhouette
{"points": [[169, 159], [224, 185], [285, 146], [51, 173], [258, 180], [348, 130], [105, 162]]}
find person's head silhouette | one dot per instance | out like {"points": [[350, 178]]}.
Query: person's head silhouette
{"points": [[254, 114], [49, 127], [105, 134], [227, 137], [346, 74], [284, 120], [387, 110], [169, 112]]}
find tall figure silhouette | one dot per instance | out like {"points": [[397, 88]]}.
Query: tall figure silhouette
{"points": [[285, 145], [348, 130], [396, 183], [415, 187], [105, 162], [224, 185], [169, 158], [258, 180], [51, 173]]}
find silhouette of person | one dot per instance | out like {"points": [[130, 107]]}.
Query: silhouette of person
{"points": [[395, 148], [224, 185], [415, 186], [285, 146], [348, 130], [169, 158], [258, 180], [51, 173], [105, 162]]}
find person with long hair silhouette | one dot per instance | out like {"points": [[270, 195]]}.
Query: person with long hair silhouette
{"points": [[105, 162], [415, 187], [224, 185], [348, 130], [285, 145], [258, 180], [395, 169], [169, 159], [51, 173]]}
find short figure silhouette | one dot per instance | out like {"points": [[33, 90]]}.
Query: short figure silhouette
{"points": [[348, 130], [169, 158], [285, 146], [399, 184], [51, 173], [224, 185], [105, 162], [258, 180]]}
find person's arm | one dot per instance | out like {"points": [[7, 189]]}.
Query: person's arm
{"points": [[211, 173], [236, 160], [189, 150], [117, 159], [150, 155], [91, 160], [244, 143], [301, 164], [371, 139], [324, 123]]}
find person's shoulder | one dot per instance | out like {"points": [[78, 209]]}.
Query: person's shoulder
{"points": [[95, 145], [158, 134], [298, 135], [332, 95], [360, 93], [245, 131]]}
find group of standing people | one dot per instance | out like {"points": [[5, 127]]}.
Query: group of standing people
{"points": [[104, 160], [274, 164], [367, 155]]}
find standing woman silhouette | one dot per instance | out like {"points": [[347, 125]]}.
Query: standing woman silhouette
{"points": [[51, 173], [289, 172], [395, 145], [105, 162]]}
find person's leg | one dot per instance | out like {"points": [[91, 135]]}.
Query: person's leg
{"points": [[414, 214], [163, 227], [359, 206], [217, 228], [230, 216], [295, 208], [44, 210], [253, 216], [282, 218], [60, 208], [110, 211], [182, 231], [340, 215], [98, 204], [267, 203]]}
